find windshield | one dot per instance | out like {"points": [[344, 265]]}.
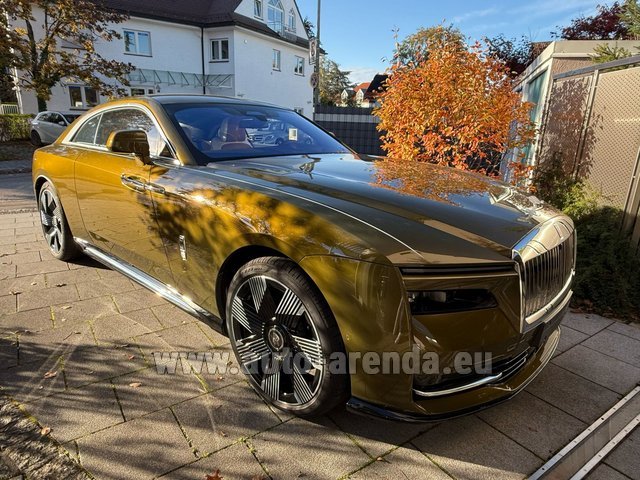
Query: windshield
{"points": [[229, 132]]}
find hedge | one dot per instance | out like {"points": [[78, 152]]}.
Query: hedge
{"points": [[14, 127]]}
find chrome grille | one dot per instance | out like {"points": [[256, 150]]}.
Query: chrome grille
{"points": [[546, 274]]}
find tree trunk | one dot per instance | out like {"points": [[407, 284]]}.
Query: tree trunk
{"points": [[42, 104]]}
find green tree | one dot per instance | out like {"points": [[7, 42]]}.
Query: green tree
{"points": [[415, 48], [630, 17], [36, 43], [604, 53], [333, 81]]}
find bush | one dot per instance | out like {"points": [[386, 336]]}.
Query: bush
{"points": [[14, 127], [608, 269]]}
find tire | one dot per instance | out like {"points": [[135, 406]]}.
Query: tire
{"points": [[36, 141], [292, 321], [54, 225]]}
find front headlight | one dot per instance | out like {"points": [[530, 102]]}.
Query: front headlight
{"points": [[448, 301]]}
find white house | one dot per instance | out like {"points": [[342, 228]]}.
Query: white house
{"points": [[252, 49]]}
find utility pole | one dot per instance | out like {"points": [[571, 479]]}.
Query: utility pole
{"points": [[316, 90]]}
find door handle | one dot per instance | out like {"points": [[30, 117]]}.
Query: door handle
{"points": [[153, 188], [133, 183]]}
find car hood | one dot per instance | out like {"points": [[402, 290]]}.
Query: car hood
{"points": [[411, 202]]}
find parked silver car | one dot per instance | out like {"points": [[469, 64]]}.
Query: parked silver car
{"points": [[47, 126]]}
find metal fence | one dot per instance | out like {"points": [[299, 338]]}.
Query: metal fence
{"points": [[352, 125], [9, 108], [592, 124]]}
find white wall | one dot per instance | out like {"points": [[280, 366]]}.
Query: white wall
{"points": [[255, 78]]}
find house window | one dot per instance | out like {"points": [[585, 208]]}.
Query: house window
{"points": [[257, 8], [137, 43], [275, 15], [299, 66], [141, 91], [276, 59], [83, 97], [220, 50], [292, 21]]}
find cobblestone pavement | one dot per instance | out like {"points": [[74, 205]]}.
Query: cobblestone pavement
{"points": [[76, 344]]}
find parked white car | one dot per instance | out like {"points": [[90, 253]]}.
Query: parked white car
{"points": [[47, 126]]}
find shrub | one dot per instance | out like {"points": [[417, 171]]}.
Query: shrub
{"points": [[608, 269], [14, 127]]}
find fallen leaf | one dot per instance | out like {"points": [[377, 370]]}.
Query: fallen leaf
{"points": [[61, 285], [131, 357], [223, 433], [50, 374], [135, 385], [34, 283], [66, 307], [45, 431], [214, 476], [219, 378]]}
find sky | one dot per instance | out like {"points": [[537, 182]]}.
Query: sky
{"points": [[358, 34]]}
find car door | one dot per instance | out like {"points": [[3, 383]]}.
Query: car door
{"points": [[114, 201], [42, 125], [57, 125]]}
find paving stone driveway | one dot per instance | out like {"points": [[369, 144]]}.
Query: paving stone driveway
{"points": [[119, 418]]}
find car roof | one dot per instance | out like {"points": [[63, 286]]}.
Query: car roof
{"points": [[173, 98]]}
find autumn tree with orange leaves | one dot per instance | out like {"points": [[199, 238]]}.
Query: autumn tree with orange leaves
{"points": [[454, 106]]}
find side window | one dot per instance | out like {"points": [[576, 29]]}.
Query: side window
{"points": [[56, 118], [45, 117], [132, 119], [87, 132]]}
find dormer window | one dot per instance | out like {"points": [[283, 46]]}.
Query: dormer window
{"points": [[292, 21], [275, 15], [257, 8]]}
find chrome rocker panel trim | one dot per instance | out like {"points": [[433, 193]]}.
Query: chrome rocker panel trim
{"points": [[165, 291]]}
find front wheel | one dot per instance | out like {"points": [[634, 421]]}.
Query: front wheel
{"points": [[54, 225], [36, 141], [283, 335]]}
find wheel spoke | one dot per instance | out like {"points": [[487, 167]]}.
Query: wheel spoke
{"points": [[290, 309], [253, 351], [258, 286], [46, 219], [247, 318], [301, 389], [311, 349], [271, 380]]}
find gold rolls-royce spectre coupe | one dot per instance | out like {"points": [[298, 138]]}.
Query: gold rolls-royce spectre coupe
{"points": [[413, 293]]}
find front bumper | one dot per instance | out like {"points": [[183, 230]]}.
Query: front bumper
{"points": [[369, 302], [471, 400]]}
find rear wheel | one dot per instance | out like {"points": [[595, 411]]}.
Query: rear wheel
{"points": [[54, 225], [36, 141], [283, 334]]}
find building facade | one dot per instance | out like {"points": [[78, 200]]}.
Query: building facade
{"points": [[251, 49]]}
